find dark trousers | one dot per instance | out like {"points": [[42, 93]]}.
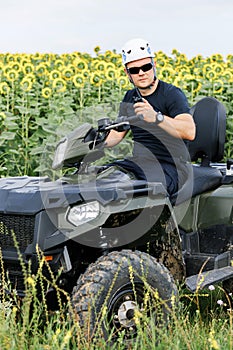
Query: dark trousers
{"points": [[172, 176]]}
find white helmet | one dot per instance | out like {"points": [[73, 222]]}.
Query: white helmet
{"points": [[135, 49]]}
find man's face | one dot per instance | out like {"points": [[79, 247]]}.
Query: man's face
{"points": [[140, 78]]}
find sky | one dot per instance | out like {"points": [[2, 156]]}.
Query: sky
{"points": [[63, 26]]}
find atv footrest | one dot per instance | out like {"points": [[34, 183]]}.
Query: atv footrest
{"points": [[205, 279]]}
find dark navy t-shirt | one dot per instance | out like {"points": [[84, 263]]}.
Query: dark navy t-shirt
{"points": [[169, 100]]}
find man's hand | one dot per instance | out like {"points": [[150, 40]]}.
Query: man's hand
{"points": [[182, 126], [145, 109]]}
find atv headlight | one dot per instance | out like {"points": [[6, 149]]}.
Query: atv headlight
{"points": [[60, 154], [80, 214]]}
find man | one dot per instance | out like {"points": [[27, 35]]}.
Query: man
{"points": [[159, 153]]}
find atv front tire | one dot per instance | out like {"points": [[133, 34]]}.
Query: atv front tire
{"points": [[119, 291]]}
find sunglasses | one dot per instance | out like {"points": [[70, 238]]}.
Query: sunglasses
{"points": [[144, 68]]}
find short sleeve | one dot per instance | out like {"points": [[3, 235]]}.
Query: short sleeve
{"points": [[177, 102]]}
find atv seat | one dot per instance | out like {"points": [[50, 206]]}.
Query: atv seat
{"points": [[208, 146]]}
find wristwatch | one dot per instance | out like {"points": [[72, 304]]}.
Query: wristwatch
{"points": [[159, 118]]}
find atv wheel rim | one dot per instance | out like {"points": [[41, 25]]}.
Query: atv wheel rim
{"points": [[123, 306]]}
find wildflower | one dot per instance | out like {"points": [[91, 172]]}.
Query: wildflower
{"points": [[67, 337], [220, 302], [14, 310], [31, 281], [211, 287], [213, 342]]}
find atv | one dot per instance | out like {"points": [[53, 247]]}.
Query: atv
{"points": [[110, 239]]}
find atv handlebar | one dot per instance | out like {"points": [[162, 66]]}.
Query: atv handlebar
{"points": [[86, 140], [121, 122]]}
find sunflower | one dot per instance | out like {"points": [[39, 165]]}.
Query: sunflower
{"points": [[96, 79], [31, 77], [28, 68], [227, 75], [167, 72], [78, 80], [219, 68], [4, 88], [211, 74], [59, 85], [97, 49], [80, 64], [111, 73], [37, 56], [183, 70], [15, 65], [85, 73], [23, 61], [218, 86], [41, 69], [123, 82], [109, 54], [208, 67], [46, 92], [10, 57], [216, 58], [230, 59], [68, 73], [198, 59], [110, 65], [55, 74], [191, 83], [197, 71], [26, 84], [160, 55], [12, 75], [100, 65], [59, 64], [180, 59]]}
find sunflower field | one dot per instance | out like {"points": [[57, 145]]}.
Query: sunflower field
{"points": [[42, 96]]}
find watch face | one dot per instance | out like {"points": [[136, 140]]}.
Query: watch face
{"points": [[159, 117]]}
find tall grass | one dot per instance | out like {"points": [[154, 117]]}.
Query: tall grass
{"points": [[202, 320]]}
